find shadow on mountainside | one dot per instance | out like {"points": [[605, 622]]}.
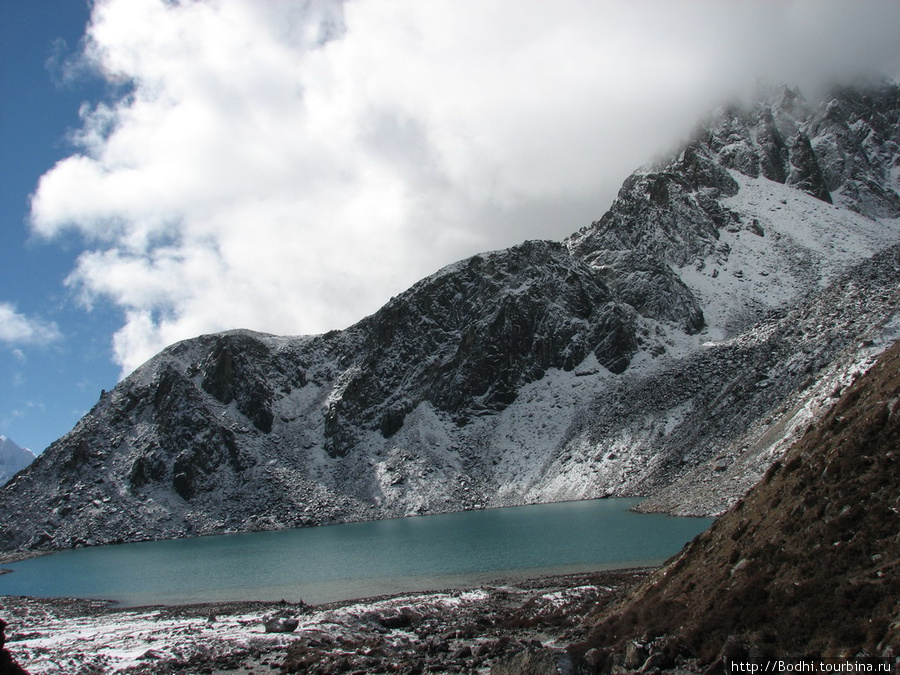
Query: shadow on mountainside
{"points": [[808, 564]]}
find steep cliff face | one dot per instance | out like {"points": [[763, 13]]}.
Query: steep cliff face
{"points": [[465, 340], [680, 341]]}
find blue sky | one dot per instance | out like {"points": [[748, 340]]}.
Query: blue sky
{"points": [[177, 167], [48, 382]]}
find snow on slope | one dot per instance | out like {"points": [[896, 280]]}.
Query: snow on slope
{"points": [[680, 340], [790, 244]]}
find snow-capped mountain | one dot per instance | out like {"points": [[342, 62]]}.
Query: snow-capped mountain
{"points": [[674, 348], [12, 459]]}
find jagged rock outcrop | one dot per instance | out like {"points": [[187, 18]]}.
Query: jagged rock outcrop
{"points": [[855, 138], [674, 213], [486, 327], [682, 340], [230, 374]]}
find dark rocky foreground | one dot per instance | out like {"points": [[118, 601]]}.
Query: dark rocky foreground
{"points": [[493, 629], [8, 665], [807, 564]]}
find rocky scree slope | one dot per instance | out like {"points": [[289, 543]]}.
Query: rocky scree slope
{"points": [[808, 564], [680, 340]]}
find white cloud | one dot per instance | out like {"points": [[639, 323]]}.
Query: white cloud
{"points": [[289, 165], [16, 328]]}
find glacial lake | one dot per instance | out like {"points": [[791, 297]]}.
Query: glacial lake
{"points": [[357, 560]]}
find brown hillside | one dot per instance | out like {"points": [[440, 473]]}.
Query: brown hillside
{"points": [[807, 564]]}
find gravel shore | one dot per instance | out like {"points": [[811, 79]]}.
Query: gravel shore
{"points": [[461, 631]]}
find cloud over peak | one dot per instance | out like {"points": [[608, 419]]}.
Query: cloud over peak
{"points": [[287, 166]]}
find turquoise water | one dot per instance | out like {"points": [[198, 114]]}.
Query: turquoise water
{"points": [[354, 560]]}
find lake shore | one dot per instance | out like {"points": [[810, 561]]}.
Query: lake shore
{"points": [[18, 556], [462, 630]]}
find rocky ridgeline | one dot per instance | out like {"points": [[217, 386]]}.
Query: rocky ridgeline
{"points": [[678, 341]]}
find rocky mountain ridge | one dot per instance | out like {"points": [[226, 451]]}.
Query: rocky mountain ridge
{"points": [[681, 341]]}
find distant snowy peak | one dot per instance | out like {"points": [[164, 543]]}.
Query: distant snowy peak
{"points": [[12, 459]]}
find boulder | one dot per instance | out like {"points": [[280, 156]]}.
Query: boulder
{"points": [[280, 623]]}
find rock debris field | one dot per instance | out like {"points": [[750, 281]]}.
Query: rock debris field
{"points": [[464, 631]]}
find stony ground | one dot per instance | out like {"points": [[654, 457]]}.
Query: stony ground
{"points": [[462, 631]]}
